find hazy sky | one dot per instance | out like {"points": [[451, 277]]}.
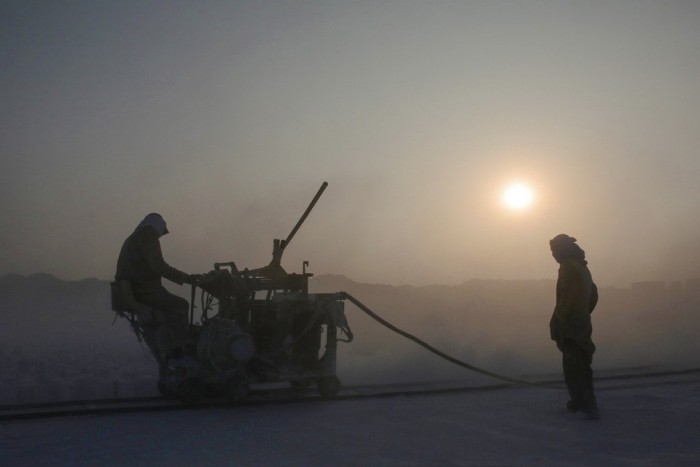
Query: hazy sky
{"points": [[227, 116]]}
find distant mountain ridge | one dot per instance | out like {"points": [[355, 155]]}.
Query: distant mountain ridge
{"points": [[41, 280]]}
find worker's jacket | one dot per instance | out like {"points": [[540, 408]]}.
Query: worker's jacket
{"points": [[576, 298], [141, 261]]}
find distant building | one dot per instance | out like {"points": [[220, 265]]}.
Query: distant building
{"points": [[649, 287], [692, 287], [675, 287]]}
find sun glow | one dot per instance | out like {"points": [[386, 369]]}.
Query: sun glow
{"points": [[518, 196]]}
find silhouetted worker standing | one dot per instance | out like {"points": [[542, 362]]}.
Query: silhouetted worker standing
{"points": [[141, 263], [570, 325]]}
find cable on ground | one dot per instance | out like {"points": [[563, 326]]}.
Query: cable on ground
{"points": [[440, 354]]}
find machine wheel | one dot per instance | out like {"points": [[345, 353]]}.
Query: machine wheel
{"points": [[300, 385], [236, 389], [328, 386], [190, 391]]}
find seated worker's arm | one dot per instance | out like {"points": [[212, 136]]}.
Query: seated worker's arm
{"points": [[152, 254]]}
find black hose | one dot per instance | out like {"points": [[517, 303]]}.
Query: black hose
{"points": [[440, 354]]}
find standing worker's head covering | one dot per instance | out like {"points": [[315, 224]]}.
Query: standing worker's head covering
{"points": [[155, 221], [564, 246]]}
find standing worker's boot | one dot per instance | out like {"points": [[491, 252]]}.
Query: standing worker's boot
{"points": [[590, 407]]}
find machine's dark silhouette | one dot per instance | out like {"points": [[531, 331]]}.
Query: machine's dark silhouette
{"points": [[259, 325]]}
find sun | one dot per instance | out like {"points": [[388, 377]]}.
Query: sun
{"points": [[518, 196]]}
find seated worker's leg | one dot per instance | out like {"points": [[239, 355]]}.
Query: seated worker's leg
{"points": [[150, 337], [176, 322], [161, 336], [172, 332], [157, 339]]}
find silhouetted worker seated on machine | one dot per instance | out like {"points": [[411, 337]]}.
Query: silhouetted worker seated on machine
{"points": [[140, 269]]}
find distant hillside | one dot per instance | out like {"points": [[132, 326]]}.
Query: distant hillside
{"points": [[43, 311]]}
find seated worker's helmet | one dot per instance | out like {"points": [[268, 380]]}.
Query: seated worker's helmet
{"points": [[155, 221]]}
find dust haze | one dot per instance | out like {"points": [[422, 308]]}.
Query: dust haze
{"points": [[61, 340], [226, 117]]}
